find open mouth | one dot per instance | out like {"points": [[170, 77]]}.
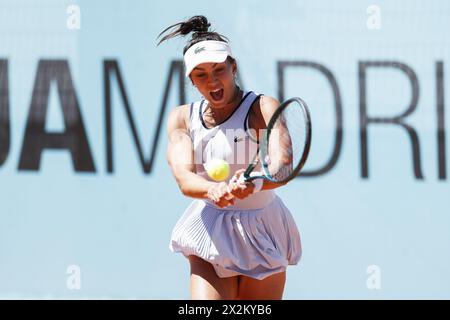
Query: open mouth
{"points": [[217, 94]]}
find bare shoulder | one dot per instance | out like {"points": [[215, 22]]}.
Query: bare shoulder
{"points": [[179, 117], [269, 100], [261, 112], [268, 105]]}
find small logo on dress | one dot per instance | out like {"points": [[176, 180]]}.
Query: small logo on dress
{"points": [[199, 49], [237, 139]]}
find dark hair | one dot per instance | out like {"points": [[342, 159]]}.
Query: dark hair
{"points": [[199, 25]]}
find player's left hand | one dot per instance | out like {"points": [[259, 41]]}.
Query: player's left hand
{"points": [[240, 190]]}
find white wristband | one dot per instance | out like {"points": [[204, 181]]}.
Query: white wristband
{"points": [[258, 184]]}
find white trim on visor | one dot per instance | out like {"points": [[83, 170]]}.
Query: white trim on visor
{"points": [[206, 51]]}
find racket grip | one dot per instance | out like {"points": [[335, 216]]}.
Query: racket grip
{"points": [[257, 182]]}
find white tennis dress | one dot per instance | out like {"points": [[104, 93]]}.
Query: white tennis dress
{"points": [[257, 236]]}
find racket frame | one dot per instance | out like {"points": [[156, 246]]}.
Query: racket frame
{"points": [[261, 153]]}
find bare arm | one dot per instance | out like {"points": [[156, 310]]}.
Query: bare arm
{"points": [[180, 156], [268, 106]]}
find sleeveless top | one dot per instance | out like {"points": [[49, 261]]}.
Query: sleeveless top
{"points": [[230, 141]]}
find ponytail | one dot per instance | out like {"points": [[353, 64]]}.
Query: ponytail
{"points": [[199, 25]]}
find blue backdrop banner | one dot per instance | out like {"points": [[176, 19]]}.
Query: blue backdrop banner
{"points": [[87, 200]]}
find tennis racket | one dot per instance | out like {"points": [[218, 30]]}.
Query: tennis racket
{"points": [[284, 146]]}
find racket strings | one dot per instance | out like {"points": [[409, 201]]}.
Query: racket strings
{"points": [[286, 142]]}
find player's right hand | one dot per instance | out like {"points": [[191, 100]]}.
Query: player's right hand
{"points": [[220, 195]]}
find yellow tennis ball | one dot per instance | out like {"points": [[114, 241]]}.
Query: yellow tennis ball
{"points": [[218, 169]]}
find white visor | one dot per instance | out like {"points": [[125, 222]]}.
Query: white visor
{"points": [[206, 51]]}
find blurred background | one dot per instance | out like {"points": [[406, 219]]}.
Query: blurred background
{"points": [[87, 201]]}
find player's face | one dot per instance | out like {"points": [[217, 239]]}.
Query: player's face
{"points": [[215, 81]]}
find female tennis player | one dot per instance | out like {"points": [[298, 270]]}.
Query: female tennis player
{"points": [[239, 237]]}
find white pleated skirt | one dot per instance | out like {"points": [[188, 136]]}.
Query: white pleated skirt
{"points": [[256, 243]]}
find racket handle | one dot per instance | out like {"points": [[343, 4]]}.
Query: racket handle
{"points": [[257, 182]]}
